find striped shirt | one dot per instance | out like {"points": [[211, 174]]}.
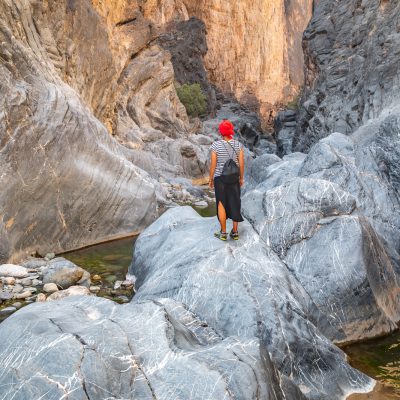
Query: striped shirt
{"points": [[225, 152]]}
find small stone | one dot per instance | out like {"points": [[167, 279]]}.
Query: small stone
{"points": [[7, 310], [41, 297], [5, 295], [13, 270], [124, 299], [36, 282], [95, 289], [50, 288], [117, 285], [71, 291], [201, 204], [26, 282], [8, 280], [22, 295], [96, 277], [31, 298], [17, 305], [33, 276], [49, 256], [18, 288], [31, 289], [127, 284]]}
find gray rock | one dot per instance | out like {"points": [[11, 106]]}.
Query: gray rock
{"points": [[250, 290], [26, 282], [6, 295], [63, 273], [351, 67], [14, 271], [142, 362], [7, 311]]}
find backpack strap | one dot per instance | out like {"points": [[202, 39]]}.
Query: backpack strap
{"points": [[233, 150]]}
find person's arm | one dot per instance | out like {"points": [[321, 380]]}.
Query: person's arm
{"points": [[213, 165], [241, 166]]}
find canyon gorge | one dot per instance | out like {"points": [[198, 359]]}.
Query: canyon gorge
{"points": [[95, 144]]}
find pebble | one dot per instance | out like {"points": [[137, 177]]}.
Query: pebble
{"points": [[127, 284], [50, 288], [41, 297], [23, 295], [13, 270], [7, 310], [26, 282], [18, 288], [36, 282], [95, 289], [4, 295], [96, 277], [9, 280], [49, 256], [117, 285], [17, 304], [31, 289], [124, 299], [201, 204]]}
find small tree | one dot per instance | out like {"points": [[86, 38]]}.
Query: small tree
{"points": [[193, 98]]}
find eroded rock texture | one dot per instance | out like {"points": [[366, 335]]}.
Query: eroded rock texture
{"points": [[144, 350], [254, 49], [86, 99], [351, 52]]}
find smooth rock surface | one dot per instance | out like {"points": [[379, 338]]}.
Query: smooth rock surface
{"points": [[157, 348], [62, 272], [13, 271], [243, 289]]}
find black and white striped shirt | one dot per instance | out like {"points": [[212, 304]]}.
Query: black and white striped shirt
{"points": [[224, 152]]}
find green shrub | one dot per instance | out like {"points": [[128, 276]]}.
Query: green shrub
{"points": [[193, 98]]}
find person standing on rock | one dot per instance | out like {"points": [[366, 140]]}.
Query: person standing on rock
{"points": [[226, 177]]}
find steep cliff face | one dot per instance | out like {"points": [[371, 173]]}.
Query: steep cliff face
{"points": [[69, 70], [254, 49], [351, 50]]}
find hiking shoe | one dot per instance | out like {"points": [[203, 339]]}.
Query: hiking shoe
{"points": [[221, 235], [234, 235]]}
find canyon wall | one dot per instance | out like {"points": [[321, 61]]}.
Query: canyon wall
{"points": [[351, 53], [254, 49]]}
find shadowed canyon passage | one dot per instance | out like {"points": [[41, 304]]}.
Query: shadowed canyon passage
{"points": [[95, 143]]}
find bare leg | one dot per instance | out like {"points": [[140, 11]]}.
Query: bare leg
{"points": [[235, 226], [222, 216]]}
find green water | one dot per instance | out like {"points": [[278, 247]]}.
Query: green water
{"points": [[380, 359], [209, 211], [109, 260]]}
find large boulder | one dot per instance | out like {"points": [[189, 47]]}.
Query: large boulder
{"points": [[243, 289], [143, 350], [333, 220]]}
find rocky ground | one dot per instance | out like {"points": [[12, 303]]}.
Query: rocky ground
{"points": [[50, 279]]}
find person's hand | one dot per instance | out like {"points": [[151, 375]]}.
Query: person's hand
{"points": [[241, 181], [211, 184]]}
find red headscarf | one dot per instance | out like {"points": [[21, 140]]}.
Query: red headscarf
{"points": [[226, 128]]}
